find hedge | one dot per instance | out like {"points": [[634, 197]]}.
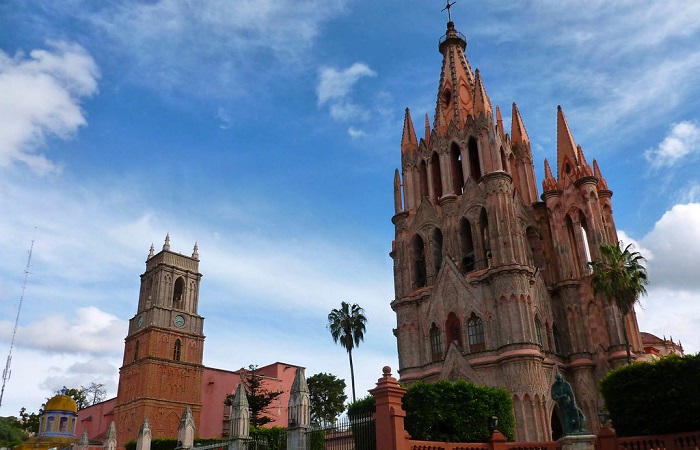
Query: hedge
{"points": [[660, 397], [457, 411]]}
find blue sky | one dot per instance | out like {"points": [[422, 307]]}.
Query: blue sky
{"points": [[268, 131]]}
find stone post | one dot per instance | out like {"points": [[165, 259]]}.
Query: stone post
{"points": [[240, 420], [607, 440], [299, 405], [185, 433], [143, 440], [389, 415], [110, 442], [497, 440]]}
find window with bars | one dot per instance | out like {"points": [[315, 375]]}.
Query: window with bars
{"points": [[475, 328], [176, 350], [435, 343]]}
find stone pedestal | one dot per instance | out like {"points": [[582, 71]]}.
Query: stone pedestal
{"points": [[578, 442]]}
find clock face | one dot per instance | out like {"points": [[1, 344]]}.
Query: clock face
{"points": [[179, 321], [139, 323]]}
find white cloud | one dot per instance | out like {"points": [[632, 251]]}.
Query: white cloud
{"points": [[87, 330], [40, 97], [224, 118], [356, 133], [672, 249], [682, 142], [240, 42], [336, 84]]}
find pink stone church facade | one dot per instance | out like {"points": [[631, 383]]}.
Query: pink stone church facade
{"points": [[492, 282]]}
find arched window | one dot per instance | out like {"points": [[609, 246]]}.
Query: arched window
{"points": [[475, 328], [538, 331], [467, 245], [456, 169], [423, 176], [474, 163], [437, 176], [586, 243], [176, 350], [435, 343], [136, 351], [453, 329], [50, 424], [63, 425], [419, 277], [504, 164], [437, 249], [178, 293]]}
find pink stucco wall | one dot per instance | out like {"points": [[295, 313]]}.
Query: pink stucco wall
{"points": [[96, 419], [216, 385]]}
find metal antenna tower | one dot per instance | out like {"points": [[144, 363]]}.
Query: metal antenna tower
{"points": [[6, 372]]}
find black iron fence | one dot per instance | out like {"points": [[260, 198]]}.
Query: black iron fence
{"points": [[356, 433]]}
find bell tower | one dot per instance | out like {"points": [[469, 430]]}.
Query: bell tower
{"points": [[162, 368]]}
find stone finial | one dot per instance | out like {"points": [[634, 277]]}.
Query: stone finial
{"points": [[185, 433], [299, 402], [143, 440], [195, 251], [240, 414], [84, 442], [152, 251], [110, 442], [166, 246]]}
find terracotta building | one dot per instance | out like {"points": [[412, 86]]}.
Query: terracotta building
{"points": [[491, 277], [162, 371]]}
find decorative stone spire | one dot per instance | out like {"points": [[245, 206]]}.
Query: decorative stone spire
{"points": [[397, 192], [567, 151], [409, 142], [549, 183], [518, 135], [185, 433], [166, 245], [152, 251], [482, 103], [110, 442], [84, 442], [195, 251], [299, 401], [427, 130], [499, 119], [602, 182], [240, 413], [143, 440]]}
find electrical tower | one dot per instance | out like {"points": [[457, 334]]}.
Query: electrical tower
{"points": [[6, 372]]}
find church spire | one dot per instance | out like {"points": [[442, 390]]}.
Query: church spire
{"points": [[166, 245], [409, 142], [567, 152], [518, 135], [602, 182], [455, 99], [549, 183], [427, 130], [482, 103]]}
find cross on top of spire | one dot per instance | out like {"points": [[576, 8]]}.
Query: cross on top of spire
{"points": [[447, 7]]}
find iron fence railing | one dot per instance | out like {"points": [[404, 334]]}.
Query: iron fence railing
{"points": [[351, 433]]}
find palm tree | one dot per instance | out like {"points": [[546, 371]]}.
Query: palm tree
{"points": [[620, 276], [347, 325]]}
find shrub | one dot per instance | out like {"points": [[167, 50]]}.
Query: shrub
{"points": [[456, 411], [275, 438], [661, 397]]}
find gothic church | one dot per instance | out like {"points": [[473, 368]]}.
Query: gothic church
{"points": [[491, 279]]}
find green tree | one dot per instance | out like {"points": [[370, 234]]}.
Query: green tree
{"points": [[620, 277], [259, 397], [30, 421], [347, 325], [327, 397], [11, 432]]}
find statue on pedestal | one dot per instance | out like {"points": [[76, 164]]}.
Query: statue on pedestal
{"points": [[571, 417]]}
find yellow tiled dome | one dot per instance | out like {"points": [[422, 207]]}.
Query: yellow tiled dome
{"points": [[61, 403]]}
